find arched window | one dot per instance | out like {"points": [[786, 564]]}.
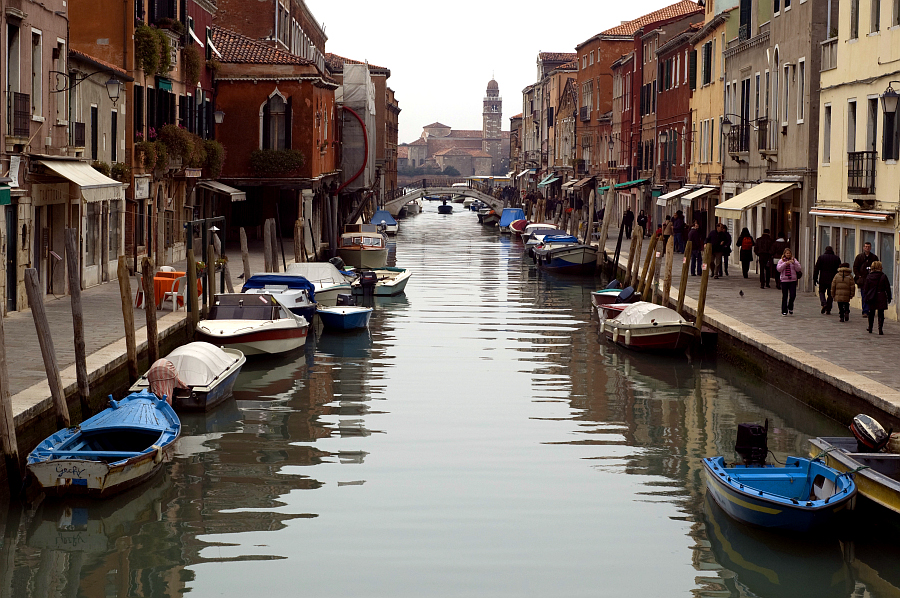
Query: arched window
{"points": [[276, 123]]}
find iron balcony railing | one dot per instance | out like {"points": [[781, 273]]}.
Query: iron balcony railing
{"points": [[861, 172], [18, 114], [77, 135], [739, 139]]}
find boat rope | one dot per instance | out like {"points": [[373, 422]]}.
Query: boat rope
{"points": [[774, 458], [825, 452], [857, 470]]}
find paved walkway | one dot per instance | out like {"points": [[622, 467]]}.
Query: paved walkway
{"points": [[844, 350]]}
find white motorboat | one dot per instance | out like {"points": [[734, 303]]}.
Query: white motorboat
{"points": [[536, 237], [388, 281], [363, 246], [253, 324], [648, 326], [564, 254], [383, 218], [327, 280], [293, 291]]}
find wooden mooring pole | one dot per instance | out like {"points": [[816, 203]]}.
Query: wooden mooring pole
{"points": [[74, 274], [704, 283], [267, 248], [667, 276], [635, 280], [128, 318], [226, 272], [147, 272], [682, 288], [642, 281], [634, 241], [42, 326], [245, 255], [8, 422], [194, 302]]}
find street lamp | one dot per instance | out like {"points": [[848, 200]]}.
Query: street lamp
{"points": [[113, 86], [889, 99], [219, 116], [663, 137], [726, 125]]}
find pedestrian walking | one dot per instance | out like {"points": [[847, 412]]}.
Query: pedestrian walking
{"points": [[877, 295], [862, 265], [696, 239], [668, 231], [678, 226], [823, 273], [713, 240], [843, 288], [778, 248], [745, 243], [642, 222], [764, 254], [628, 222], [790, 272], [725, 242]]}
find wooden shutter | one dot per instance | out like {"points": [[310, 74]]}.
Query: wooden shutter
{"points": [[151, 110], [171, 115], [266, 142], [288, 123], [183, 110], [692, 69], [138, 111]]}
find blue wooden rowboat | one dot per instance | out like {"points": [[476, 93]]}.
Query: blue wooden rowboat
{"points": [[801, 496], [345, 317], [116, 449]]}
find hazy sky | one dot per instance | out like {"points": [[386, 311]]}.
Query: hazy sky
{"points": [[442, 55]]}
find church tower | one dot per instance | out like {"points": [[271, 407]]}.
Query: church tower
{"points": [[491, 135]]}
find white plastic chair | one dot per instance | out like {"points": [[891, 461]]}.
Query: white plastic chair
{"points": [[139, 296], [167, 269], [179, 289]]}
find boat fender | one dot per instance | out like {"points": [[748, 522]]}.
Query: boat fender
{"points": [[159, 454], [627, 337], [615, 335], [602, 326]]}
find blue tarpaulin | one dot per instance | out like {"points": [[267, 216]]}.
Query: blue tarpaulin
{"points": [[261, 281], [560, 239], [510, 215], [383, 217]]}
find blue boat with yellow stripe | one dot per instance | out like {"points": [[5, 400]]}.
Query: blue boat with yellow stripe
{"points": [[802, 496]]}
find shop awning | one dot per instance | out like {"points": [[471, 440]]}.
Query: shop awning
{"points": [[194, 36], [524, 172], [734, 207], [663, 200], [217, 187], [94, 185], [569, 184], [510, 174], [548, 181], [853, 214], [697, 193], [586, 180], [634, 183]]}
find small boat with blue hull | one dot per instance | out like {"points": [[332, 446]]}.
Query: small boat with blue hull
{"points": [[293, 291], [384, 218], [345, 317], [564, 254], [116, 449], [508, 216], [801, 496]]}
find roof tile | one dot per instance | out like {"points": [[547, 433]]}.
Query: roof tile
{"points": [[236, 48], [679, 9]]}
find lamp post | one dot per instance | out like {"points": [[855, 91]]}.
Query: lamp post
{"points": [[219, 116], [113, 85], [889, 99]]}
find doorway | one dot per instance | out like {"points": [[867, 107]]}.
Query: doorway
{"points": [[12, 266]]}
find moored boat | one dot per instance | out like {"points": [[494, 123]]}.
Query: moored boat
{"points": [[488, 217], [293, 291], [384, 218], [345, 317], [508, 216], [253, 324], [363, 246], [564, 254], [647, 326], [199, 376], [116, 449], [604, 296], [516, 227], [327, 280], [389, 281], [445, 208]]}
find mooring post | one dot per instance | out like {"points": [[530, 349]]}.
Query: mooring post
{"points": [[634, 240], [147, 273], [245, 255], [635, 280], [193, 306], [128, 318], [267, 247], [212, 277], [667, 278], [682, 289], [74, 274], [36, 300], [8, 423], [298, 240], [704, 283], [646, 269]]}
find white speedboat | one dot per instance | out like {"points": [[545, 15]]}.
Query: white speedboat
{"points": [[293, 291], [536, 237], [253, 324], [328, 282], [647, 326], [386, 282]]}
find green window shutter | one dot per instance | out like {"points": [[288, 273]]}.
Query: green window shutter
{"points": [[692, 69]]}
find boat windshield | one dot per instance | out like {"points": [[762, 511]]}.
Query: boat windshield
{"points": [[231, 308]]}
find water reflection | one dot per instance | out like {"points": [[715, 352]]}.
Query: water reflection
{"points": [[481, 437]]}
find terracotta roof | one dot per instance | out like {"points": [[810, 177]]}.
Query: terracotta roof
{"points": [[436, 125], [680, 9], [461, 151], [236, 48], [336, 63], [570, 65], [558, 56], [519, 115], [419, 141], [403, 152], [460, 134], [101, 63], [479, 154]]}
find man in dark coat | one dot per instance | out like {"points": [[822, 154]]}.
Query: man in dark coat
{"points": [[862, 265], [642, 222], [763, 249], [714, 240], [824, 272], [678, 229], [696, 239], [628, 222]]}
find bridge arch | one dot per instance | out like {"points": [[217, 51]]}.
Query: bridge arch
{"points": [[424, 188]]}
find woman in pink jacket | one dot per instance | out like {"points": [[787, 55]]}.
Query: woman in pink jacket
{"points": [[790, 271]]}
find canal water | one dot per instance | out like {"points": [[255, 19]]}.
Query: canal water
{"points": [[480, 439]]}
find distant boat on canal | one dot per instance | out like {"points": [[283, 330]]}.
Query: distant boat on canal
{"points": [[363, 246], [508, 216], [116, 449], [384, 218], [327, 280]]}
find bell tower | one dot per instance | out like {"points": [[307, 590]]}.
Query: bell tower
{"points": [[492, 116]]}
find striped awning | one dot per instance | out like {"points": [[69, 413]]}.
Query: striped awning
{"points": [[852, 214], [734, 207]]}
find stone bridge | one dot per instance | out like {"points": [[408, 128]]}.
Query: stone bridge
{"points": [[423, 189]]}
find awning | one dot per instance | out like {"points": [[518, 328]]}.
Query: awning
{"points": [[702, 191], [524, 172], [194, 35], [213, 47], [163, 83], [217, 187], [94, 185], [630, 184], [568, 184], [583, 182], [734, 207], [665, 198], [545, 182], [853, 214], [510, 174]]}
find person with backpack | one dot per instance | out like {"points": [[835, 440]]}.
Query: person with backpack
{"points": [[745, 243], [877, 294], [790, 272]]}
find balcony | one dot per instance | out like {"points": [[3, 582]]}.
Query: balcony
{"points": [[861, 172], [739, 139], [18, 115], [77, 135], [829, 54], [533, 157], [767, 136], [585, 114]]}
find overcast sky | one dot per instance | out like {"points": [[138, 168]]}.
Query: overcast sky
{"points": [[442, 55]]}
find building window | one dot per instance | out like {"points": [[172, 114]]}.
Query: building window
{"points": [[37, 79], [114, 228], [872, 125], [777, 6], [854, 19], [895, 13], [801, 90], [92, 234], [851, 126], [890, 141], [875, 23], [592, 58], [826, 136], [114, 136], [276, 123], [94, 134], [787, 93]]}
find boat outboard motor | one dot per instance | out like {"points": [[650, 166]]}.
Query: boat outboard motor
{"points": [[870, 435], [368, 280], [752, 443], [337, 263], [614, 284], [626, 295], [345, 300]]}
